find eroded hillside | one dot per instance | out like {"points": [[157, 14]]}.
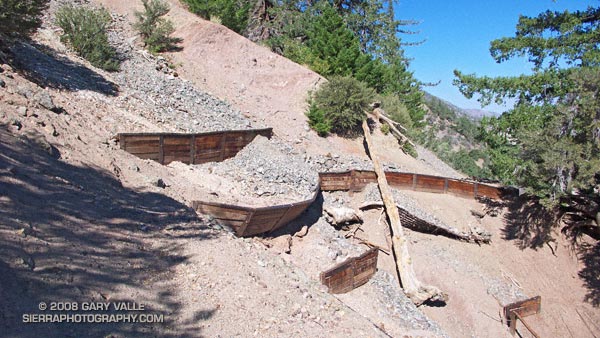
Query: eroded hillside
{"points": [[83, 221]]}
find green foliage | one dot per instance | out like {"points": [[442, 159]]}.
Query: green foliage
{"points": [[85, 30], [154, 28], [409, 149], [396, 110], [549, 142], [21, 17], [233, 14], [317, 121], [347, 38], [343, 102], [385, 129]]}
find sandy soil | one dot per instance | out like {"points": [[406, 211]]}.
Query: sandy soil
{"points": [[93, 225]]}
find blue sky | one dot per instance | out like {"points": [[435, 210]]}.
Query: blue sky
{"points": [[458, 35]]}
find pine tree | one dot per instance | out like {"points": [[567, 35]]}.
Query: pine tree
{"points": [[550, 141]]}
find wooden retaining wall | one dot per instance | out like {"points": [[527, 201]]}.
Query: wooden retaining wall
{"points": [[351, 273], [356, 180], [248, 221], [189, 148]]}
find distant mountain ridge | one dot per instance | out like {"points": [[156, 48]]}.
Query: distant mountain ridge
{"points": [[471, 112], [451, 133]]}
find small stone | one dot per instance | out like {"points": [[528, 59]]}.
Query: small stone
{"points": [[160, 183], [2, 83], [17, 124], [51, 130], [261, 263], [43, 99], [22, 111], [302, 232]]}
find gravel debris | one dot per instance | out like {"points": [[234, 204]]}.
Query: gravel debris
{"points": [[407, 314], [438, 165], [268, 168], [339, 163], [406, 202]]}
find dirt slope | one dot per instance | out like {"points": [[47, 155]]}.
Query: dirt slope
{"points": [[266, 87], [95, 225]]}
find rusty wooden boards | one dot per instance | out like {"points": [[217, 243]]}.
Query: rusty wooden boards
{"points": [[520, 310], [524, 308], [356, 180], [351, 273], [189, 148], [249, 221]]}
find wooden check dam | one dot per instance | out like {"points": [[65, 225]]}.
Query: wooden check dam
{"points": [[248, 221]]}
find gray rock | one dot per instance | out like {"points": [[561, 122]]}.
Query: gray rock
{"points": [[160, 183], [22, 111], [2, 83], [25, 91], [16, 123], [43, 99]]}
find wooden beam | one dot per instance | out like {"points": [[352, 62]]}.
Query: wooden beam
{"points": [[414, 289]]}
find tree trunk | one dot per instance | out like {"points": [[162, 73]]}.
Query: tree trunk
{"points": [[413, 288]]}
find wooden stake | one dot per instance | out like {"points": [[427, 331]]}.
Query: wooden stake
{"points": [[413, 288]]}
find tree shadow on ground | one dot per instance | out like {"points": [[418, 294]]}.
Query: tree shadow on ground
{"points": [[75, 234], [530, 225], [527, 222], [49, 69], [589, 254]]}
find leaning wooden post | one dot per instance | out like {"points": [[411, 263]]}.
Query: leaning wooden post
{"points": [[416, 291]]}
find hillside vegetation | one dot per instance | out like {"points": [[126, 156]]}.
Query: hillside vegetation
{"points": [[549, 143], [358, 39], [453, 135]]}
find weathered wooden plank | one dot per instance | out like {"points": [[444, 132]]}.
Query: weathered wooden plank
{"points": [[147, 148], [294, 212], [139, 138], [269, 215], [351, 273], [430, 183], [222, 212], [153, 142], [460, 188], [255, 227], [524, 308], [208, 142], [177, 140], [400, 180], [205, 159], [177, 148], [489, 191]]}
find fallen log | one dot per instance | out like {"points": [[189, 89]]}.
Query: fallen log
{"points": [[392, 124], [414, 289], [436, 229]]}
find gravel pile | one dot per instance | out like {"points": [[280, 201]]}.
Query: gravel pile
{"points": [[404, 310], [172, 101], [268, 168], [150, 87], [504, 292], [406, 202], [438, 165], [337, 163]]}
